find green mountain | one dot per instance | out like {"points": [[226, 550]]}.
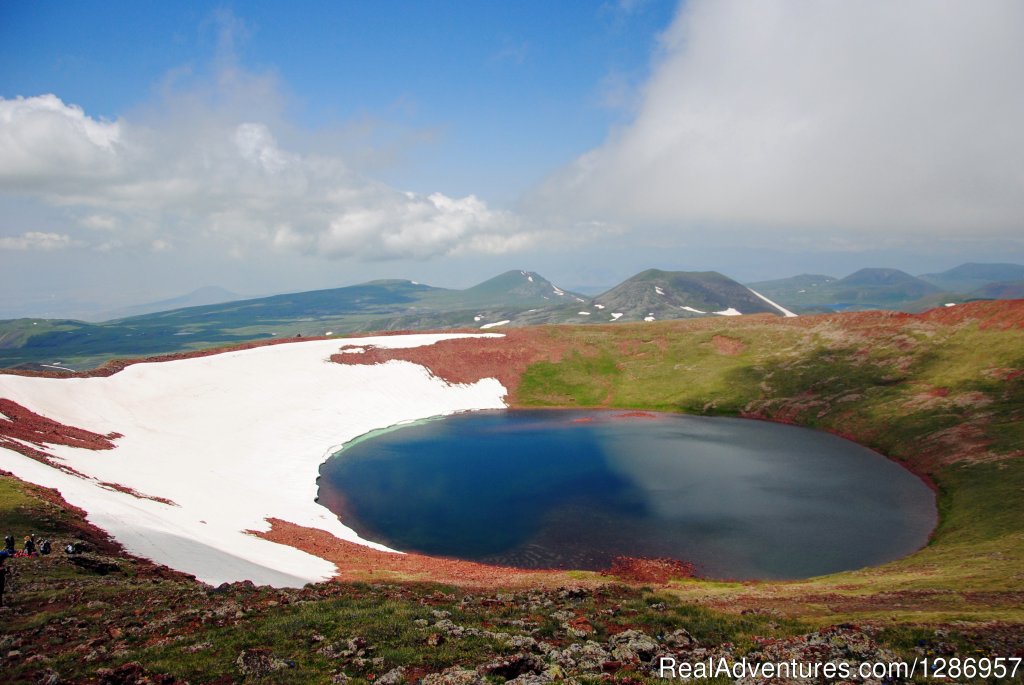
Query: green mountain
{"points": [[875, 288], [514, 288], [281, 309], [970, 277], [656, 295], [514, 298], [864, 289], [803, 293], [374, 306]]}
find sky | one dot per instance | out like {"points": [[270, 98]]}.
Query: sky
{"points": [[150, 148]]}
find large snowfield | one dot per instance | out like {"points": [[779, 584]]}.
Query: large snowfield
{"points": [[232, 439]]}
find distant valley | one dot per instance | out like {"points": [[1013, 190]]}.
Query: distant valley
{"points": [[514, 298]]}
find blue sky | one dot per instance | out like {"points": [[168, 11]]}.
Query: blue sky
{"points": [[150, 148], [493, 94]]}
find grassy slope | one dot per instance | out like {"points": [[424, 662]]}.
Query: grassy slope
{"points": [[935, 396], [931, 396]]}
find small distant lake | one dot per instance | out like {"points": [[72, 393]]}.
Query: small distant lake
{"points": [[574, 489]]}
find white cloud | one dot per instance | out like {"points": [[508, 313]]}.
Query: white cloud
{"points": [[99, 222], [41, 137], [205, 176], [871, 117], [37, 240]]}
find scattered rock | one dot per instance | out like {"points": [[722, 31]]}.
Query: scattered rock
{"points": [[573, 593], [588, 656], [681, 639], [456, 675], [530, 679], [520, 642], [509, 667], [355, 648], [50, 677], [133, 673], [258, 662], [633, 646], [94, 564], [578, 627], [395, 676]]}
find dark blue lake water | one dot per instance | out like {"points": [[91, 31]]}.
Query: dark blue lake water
{"points": [[573, 489]]}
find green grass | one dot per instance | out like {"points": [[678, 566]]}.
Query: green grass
{"points": [[905, 392], [21, 514]]}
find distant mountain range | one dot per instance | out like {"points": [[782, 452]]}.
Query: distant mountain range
{"points": [[514, 298], [969, 278], [895, 289]]}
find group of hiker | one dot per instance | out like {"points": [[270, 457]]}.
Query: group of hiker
{"points": [[30, 548]]}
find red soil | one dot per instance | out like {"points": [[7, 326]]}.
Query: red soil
{"points": [[136, 494], [1001, 314], [468, 360], [24, 424], [356, 562], [19, 425], [730, 347], [637, 570]]}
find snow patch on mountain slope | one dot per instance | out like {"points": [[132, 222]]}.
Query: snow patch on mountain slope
{"points": [[782, 309], [231, 439]]}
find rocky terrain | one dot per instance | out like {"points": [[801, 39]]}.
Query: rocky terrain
{"points": [[105, 617]]}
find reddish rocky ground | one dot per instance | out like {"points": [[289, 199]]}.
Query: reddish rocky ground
{"points": [[468, 360], [358, 562], [28, 433]]}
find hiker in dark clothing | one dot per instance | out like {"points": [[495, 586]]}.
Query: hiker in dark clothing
{"points": [[30, 545], [3, 574], [9, 545], [44, 547]]}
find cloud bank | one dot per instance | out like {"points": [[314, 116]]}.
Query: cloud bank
{"points": [[36, 240], [212, 179], [868, 118]]}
